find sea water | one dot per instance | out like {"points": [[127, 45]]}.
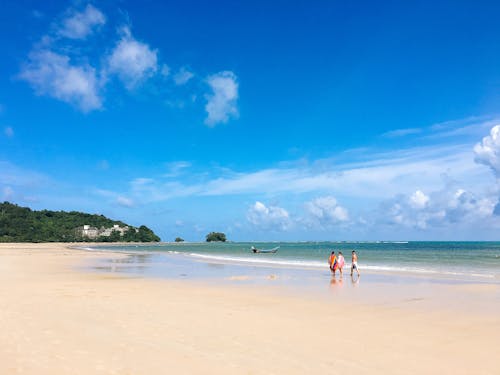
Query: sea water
{"points": [[475, 261]]}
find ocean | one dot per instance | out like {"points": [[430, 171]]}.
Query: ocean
{"points": [[475, 261]]}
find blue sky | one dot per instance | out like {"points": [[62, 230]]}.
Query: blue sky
{"points": [[265, 120]]}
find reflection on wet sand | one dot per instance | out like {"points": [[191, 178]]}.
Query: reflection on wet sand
{"points": [[136, 263], [355, 280], [336, 283], [133, 258]]}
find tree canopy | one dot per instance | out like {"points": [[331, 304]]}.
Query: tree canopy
{"points": [[21, 224], [216, 236]]}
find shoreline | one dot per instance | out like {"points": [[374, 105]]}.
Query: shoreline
{"points": [[430, 270], [386, 274], [373, 288], [60, 318]]}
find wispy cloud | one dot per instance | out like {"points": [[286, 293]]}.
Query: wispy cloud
{"points": [[175, 168], [183, 76], [222, 101], [79, 25], [7, 193], [473, 126], [9, 132], [401, 132], [132, 61], [376, 178], [165, 70], [381, 177], [115, 198], [469, 127], [21, 183], [103, 165], [125, 202], [37, 14], [54, 75]]}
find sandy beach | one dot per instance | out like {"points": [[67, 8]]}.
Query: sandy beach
{"points": [[57, 318]]}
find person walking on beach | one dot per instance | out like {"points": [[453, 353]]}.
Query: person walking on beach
{"points": [[354, 262], [341, 263], [332, 261]]}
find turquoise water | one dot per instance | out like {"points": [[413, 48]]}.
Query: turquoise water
{"points": [[471, 260]]}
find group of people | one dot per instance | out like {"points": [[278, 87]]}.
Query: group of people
{"points": [[337, 263]]}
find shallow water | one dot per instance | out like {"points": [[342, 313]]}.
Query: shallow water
{"points": [[438, 261]]}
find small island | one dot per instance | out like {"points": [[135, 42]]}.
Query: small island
{"points": [[216, 237], [21, 224]]}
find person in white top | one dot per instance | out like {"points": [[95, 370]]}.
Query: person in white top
{"points": [[354, 262]]}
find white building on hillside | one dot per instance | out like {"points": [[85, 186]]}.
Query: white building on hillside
{"points": [[93, 232]]}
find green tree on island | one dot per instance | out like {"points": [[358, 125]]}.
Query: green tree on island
{"points": [[216, 236], [21, 224], [179, 239]]}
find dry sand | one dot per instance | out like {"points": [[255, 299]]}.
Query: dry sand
{"points": [[58, 319]]}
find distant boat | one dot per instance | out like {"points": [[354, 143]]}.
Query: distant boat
{"points": [[273, 250]]}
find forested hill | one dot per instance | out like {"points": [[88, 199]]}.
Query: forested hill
{"points": [[21, 224]]}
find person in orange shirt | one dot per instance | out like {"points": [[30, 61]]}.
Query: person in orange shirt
{"points": [[332, 261]]}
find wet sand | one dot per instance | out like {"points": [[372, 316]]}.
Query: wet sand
{"points": [[57, 318]]}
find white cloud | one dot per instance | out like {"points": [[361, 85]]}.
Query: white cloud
{"points": [[183, 76], [401, 132], [141, 181], [175, 168], [380, 178], [79, 25], [132, 61], [65, 65], [9, 132], [462, 203], [125, 202], [488, 151], [418, 200], [447, 206], [268, 218], [54, 75], [467, 127], [324, 212], [115, 198], [221, 103]]}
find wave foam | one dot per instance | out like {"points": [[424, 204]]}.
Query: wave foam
{"points": [[322, 265]]}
